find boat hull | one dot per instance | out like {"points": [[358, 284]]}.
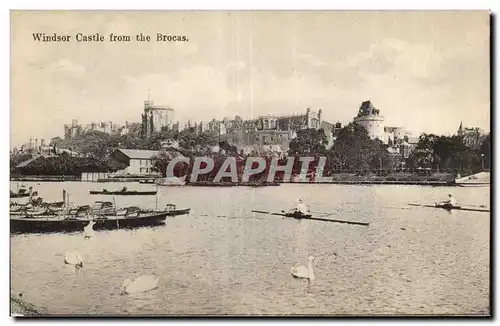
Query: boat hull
{"points": [[51, 225], [19, 195], [121, 193], [298, 215], [473, 184]]}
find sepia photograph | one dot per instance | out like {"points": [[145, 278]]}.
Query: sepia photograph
{"points": [[250, 163]]}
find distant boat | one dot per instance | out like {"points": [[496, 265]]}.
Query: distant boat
{"points": [[481, 179], [147, 181], [123, 192]]}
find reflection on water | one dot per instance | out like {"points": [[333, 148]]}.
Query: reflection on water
{"points": [[223, 259]]}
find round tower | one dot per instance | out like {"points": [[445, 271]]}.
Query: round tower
{"points": [[368, 117]]}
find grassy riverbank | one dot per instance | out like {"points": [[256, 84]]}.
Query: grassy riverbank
{"points": [[20, 307]]}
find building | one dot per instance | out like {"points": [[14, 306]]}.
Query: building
{"points": [[74, 129], [265, 133], [472, 137], [155, 118], [370, 118], [139, 162]]}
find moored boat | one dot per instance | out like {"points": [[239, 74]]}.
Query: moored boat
{"points": [[74, 224], [481, 179], [149, 181], [124, 192], [105, 216], [23, 193]]}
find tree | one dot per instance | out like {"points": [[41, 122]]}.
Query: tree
{"points": [[93, 143], [161, 161], [228, 147], [354, 150], [486, 151], [308, 141], [69, 165], [423, 158], [444, 152]]}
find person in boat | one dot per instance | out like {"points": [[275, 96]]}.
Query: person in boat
{"points": [[451, 202], [301, 207]]}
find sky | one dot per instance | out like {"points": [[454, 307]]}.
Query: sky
{"points": [[425, 71]]}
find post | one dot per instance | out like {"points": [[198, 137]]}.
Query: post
{"points": [[482, 162], [116, 214]]}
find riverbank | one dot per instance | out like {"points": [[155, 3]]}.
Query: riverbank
{"points": [[20, 307], [45, 178], [436, 179]]}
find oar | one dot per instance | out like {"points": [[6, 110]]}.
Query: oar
{"points": [[314, 218]]}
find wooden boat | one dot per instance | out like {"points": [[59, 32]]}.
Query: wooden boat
{"points": [[50, 224], [124, 192], [147, 181], [23, 193], [173, 211], [454, 207]]}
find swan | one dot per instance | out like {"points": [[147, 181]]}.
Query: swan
{"points": [[141, 284], [304, 272], [89, 231], [73, 258]]}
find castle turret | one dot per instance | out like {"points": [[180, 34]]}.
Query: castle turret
{"points": [[368, 117]]}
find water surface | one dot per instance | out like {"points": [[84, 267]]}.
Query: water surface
{"points": [[223, 259]]}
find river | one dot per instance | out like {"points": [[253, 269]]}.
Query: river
{"points": [[223, 259]]}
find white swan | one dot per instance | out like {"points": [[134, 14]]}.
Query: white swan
{"points": [[304, 272], [141, 284], [73, 258], [89, 231]]}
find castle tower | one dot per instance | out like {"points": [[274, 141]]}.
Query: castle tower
{"points": [[368, 117]]}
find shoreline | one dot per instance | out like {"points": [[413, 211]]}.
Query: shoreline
{"points": [[21, 308], [350, 181]]}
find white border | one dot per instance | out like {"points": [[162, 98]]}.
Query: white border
{"points": [[204, 5]]}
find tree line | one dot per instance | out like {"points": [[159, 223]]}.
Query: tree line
{"points": [[352, 150]]}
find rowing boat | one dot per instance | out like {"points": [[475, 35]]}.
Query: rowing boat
{"points": [[300, 216], [452, 207], [123, 193]]}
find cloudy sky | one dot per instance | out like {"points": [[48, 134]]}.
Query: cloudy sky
{"points": [[425, 71]]}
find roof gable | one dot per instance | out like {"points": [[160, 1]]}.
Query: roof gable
{"points": [[138, 153]]}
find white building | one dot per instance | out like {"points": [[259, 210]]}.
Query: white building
{"points": [[139, 162]]}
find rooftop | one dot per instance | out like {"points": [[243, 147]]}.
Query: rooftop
{"points": [[138, 153]]}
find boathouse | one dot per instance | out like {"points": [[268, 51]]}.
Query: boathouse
{"points": [[139, 162]]}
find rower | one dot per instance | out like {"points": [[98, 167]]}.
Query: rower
{"points": [[451, 202], [301, 207]]}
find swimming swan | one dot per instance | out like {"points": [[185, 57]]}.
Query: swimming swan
{"points": [[141, 284], [304, 272], [89, 231], [73, 258]]}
